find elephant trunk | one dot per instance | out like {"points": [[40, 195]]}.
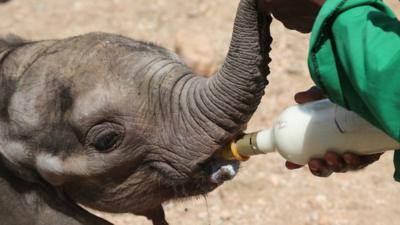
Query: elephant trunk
{"points": [[229, 98]]}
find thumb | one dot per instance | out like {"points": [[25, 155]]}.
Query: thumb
{"points": [[292, 166], [310, 95]]}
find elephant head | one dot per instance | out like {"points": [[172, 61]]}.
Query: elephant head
{"points": [[120, 125]]}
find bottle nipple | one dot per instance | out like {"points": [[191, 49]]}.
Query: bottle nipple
{"points": [[240, 149]]}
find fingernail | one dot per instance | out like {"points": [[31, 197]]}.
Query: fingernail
{"points": [[326, 173], [318, 174], [347, 159], [330, 163], [313, 169]]}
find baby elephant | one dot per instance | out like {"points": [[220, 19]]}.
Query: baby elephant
{"points": [[119, 125]]}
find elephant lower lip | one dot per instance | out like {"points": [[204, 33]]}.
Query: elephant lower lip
{"points": [[225, 173], [220, 171]]}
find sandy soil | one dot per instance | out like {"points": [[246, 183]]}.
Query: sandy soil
{"points": [[264, 192]]}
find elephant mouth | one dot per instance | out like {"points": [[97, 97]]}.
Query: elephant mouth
{"points": [[204, 178], [219, 170], [212, 174]]}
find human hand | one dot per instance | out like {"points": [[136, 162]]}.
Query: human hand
{"points": [[331, 162], [294, 14]]}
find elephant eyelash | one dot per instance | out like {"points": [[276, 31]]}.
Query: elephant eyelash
{"points": [[106, 142], [105, 137]]}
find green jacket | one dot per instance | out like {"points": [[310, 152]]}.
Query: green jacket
{"points": [[354, 58]]}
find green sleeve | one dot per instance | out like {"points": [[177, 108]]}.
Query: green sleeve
{"points": [[355, 59]]}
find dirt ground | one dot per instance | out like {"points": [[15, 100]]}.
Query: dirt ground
{"points": [[264, 192]]}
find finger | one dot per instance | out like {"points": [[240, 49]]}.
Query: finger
{"points": [[353, 161], [310, 95], [292, 166], [368, 159], [335, 162], [319, 168]]}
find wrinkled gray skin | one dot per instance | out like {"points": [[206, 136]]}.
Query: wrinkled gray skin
{"points": [[118, 125]]}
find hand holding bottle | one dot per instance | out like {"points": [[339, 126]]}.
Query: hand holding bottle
{"points": [[294, 14], [331, 162]]}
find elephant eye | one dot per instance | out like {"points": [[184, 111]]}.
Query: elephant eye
{"points": [[105, 137], [106, 141]]}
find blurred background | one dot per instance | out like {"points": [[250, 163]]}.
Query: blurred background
{"points": [[264, 192]]}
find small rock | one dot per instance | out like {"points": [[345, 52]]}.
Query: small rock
{"points": [[321, 199], [225, 214], [274, 180], [323, 220], [313, 217]]}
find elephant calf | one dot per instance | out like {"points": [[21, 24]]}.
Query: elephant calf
{"points": [[119, 125]]}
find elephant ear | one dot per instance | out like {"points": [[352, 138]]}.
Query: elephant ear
{"points": [[11, 42], [13, 155], [15, 159], [7, 86]]}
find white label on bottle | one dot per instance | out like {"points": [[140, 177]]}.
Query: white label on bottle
{"points": [[282, 124]]}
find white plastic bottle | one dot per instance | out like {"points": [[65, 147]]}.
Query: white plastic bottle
{"points": [[310, 130]]}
